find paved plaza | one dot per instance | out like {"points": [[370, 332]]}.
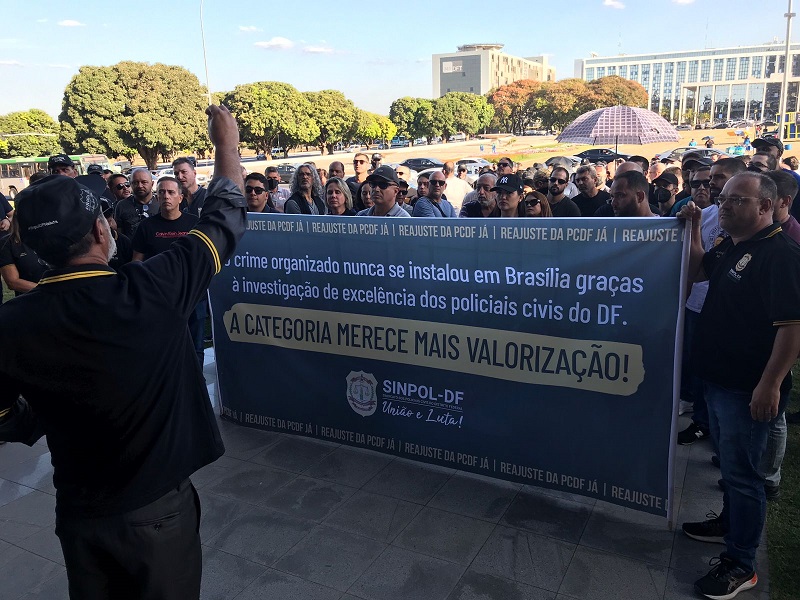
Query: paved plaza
{"points": [[290, 518]]}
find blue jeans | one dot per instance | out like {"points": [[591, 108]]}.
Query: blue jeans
{"points": [[741, 442]]}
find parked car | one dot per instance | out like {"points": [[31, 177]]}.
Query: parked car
{"points": [[676, 153], [471, 176], [399, 141], [286, 171], [420, 142], [684, 127], [605, 154], [721, 126], [480, 162], [458, 137], [420, 164]]}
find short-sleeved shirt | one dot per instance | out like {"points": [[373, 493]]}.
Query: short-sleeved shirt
{"points": [[156, 234], [588, 206], [29, 267], [130, 212], [396, 211], [754, 288], [565, 208], [425, 207]]}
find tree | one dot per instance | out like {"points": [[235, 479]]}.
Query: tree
{"points": [[424, 125], [402, 112], [334, 115], [556, 104], [270, 110], [460, 111], [512, 107], [153, 109], [365, 127], [43, 140], [386, 128], [613, 90]]}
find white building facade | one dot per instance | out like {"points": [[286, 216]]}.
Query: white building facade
{"points": [[478, 68], [707, 85]]}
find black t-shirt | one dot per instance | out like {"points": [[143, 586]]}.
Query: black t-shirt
{"points": [[24, 258], [754, 287], [588, 206], [565, 208], [156, 234]]}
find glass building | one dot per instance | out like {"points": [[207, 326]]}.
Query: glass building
{"points": [[722, 84]]}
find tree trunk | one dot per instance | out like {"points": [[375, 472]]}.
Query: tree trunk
{"points": [[150, 157]]}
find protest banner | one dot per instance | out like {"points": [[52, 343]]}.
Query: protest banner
{"points": [[540, 351]]}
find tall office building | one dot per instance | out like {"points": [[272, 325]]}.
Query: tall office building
{"points": [[477, 68], [715, 84]]}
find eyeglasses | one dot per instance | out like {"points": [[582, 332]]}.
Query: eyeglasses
{"points": [[735, 200], [504, 165], [359, 162], [121, 186], [403, 192], [304, 174], [706, 183], [437, 182], [257, 190], [382, 184], [558, 180]]}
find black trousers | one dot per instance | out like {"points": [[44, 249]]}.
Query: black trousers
{"points": [[151, 553]]}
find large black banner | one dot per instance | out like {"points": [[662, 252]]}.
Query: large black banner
{"points": [[535, 350]]}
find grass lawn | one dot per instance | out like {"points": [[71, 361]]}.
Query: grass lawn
{"points": [[783, 516]]}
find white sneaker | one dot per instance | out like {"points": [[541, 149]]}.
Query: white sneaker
{"points": [[685, 407]]}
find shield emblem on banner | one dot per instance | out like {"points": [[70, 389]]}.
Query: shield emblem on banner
{"points": [[361, 392]]}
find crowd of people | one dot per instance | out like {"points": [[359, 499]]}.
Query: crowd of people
{"points": [[742, 211]]}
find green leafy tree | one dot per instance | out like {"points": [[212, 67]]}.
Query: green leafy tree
{"points": [[334, 115], [402, 112], [269, 112], [387, 129], [444, 115], [613, 90], [424, 123], [41, 127], [461, 112], [364, 128], [155, 110], [556, 104]]}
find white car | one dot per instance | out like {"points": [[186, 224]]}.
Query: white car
{"points": [[471, 177]]}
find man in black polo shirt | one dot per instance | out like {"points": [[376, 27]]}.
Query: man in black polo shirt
{"points": [[123, 443], [183, 168], [156, 234], [137, 207], [749, 331]]}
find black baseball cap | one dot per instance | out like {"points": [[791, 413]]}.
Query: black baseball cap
{"points": [[59, 160], [383, 173], [377, 156], [508, 183], [764, 142], [692, 163], [666, 178], [94, 169], [54, 213]]}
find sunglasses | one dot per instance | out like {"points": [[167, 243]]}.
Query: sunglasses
{"points": [[532, 202], [250, 189], [558, 180], [503, 165], [697, 184], [359, 162], [121, 186], [382, 184], [436, 182]]}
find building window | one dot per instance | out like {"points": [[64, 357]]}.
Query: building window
{"points": [[634, 76], [795, 65], [646, 76], [680, 72], [730, 69], [770, 68], [612, 71], [692, 71], [471, 89], [589, 73], [705, 70], [758, 62], [744, 67], [718, 62], [601, 72]]}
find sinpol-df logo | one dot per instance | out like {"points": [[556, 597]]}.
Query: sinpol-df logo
{"points": [[361, 392]]}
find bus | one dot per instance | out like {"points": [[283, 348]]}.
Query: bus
{"points": [[15, 172]]}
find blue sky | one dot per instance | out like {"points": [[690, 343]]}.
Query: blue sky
{"points": [[373, 52]]}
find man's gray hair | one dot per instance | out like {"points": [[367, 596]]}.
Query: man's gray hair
{"points": [[316, 185]]}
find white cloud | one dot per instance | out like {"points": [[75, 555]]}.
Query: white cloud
{"points": [[613, 3], [317, 50], [71, 23], [280, 43], [59, 66], [11, 63], [249, 28]]}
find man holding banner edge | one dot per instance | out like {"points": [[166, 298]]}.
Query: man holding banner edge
{"points": [[750, 325]]}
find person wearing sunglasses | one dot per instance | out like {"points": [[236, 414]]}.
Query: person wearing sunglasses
{"points": [[560, 204], [384, 192], [505, 166], [361, 168], [435, 204], [256, 194], [120, 187], [536, 205], [749, 333]]}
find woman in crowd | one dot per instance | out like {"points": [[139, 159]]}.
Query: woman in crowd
{"points": [[362, 201], [338, 198], [20, 266], [509, 196], [536, 205]]}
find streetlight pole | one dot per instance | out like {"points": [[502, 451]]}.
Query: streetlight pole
{"points": [[205, 60], [784, 126]]}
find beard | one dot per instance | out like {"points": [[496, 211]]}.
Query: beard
{"points": [[112, 243]]}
